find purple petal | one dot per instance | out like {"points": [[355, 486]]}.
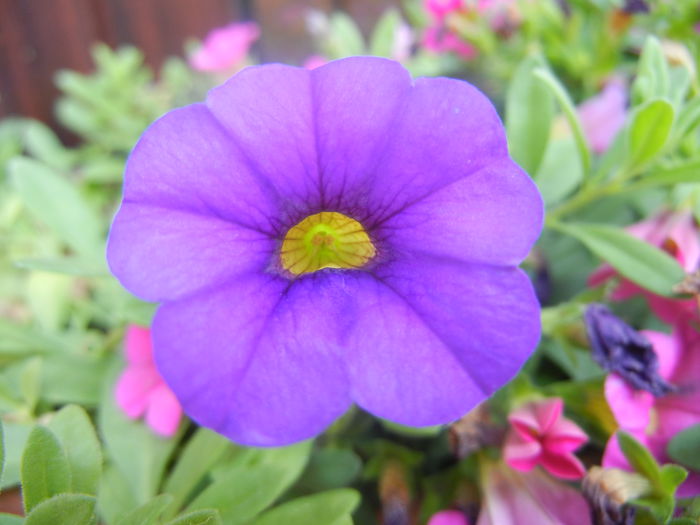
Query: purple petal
{"points": [[447, 130], [186, 161], [268, 112], [258, 360], [467, 329], [162, 254], [493, 216]]}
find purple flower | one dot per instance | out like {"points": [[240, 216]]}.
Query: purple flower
{"points": [[329, 236]]}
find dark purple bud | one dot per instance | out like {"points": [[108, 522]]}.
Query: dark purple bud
{"points": [[619, 348], [635, 6]]}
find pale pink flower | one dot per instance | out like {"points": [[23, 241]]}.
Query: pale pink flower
{"points": [[226, 48], [448, 517], [439, 40], [439, 9], [677, 234], [528, 498], [541, 435], [314, 61], [603, 115], [655, 420], [402, 42], [141, 390]]}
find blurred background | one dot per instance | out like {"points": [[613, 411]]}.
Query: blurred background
{"points": [[40, 37]]}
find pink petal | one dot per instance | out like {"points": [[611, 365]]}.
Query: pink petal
{"points": [[683, 232], [604, 115], [613, 456], [449, 517], [225, 47], [668, 350], [521, 454], [548, 412], [630, 407], [164, 411], [565, 433], [138, 345], [690, 487], [133, 389], [564, 466]]}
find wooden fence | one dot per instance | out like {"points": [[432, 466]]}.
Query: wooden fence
{"points": [[39, 37]]}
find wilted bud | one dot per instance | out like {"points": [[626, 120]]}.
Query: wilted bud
{"points": [[635, 6], [394, 495], [608, 490], [619, 348], [473, 431]]}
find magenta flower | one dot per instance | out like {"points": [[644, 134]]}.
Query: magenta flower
{"points": [[329, 236], [655, 420], [448, 517], [314, 61], [677, 234], [141, 390], [603, 115], [439, 9], [541, 435], [441, 40], [529, 498], [225, 48]]}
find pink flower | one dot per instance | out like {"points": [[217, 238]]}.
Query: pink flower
{"points": [[677, 234], [439, 9], [448, 517], [440, 40], [140, 389], [531, 498], [541, 435], [654, 421], [224, 49], [603, 115]]}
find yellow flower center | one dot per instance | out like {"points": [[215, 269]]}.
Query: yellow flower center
{"points": [[325, 240]]}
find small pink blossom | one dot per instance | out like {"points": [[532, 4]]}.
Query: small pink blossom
{"points": [[314, 61], [603, 115], [528, 498], [677, 234], [141, 390], [654, 421], [541, 435], [439, 40], [439, 9], [448, 517], [226, 48]]}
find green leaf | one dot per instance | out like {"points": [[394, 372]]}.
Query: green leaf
{"points": [[74, 430], [649, 130], [529, 114], [30, 383], [66, 265], [43, 144], [684, 448], [652, 74], [639, 457], [71, 378], [326, 508], [671, 478], [330, 468], [66, 509], [198, 517], [686, 172], [2, 451], [139, 454], [345, 38], [148, 513], [16, 435], [382, 41], [59, 205], [557, 176], [273, 471], [10, 519], [115, 495], [45, 469], [200, 454], [567, 106], [640, 262]]}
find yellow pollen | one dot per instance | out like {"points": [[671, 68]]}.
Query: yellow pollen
{"points": [[325, 240]]}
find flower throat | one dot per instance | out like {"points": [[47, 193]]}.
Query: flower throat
{"points": [[325, 240]]}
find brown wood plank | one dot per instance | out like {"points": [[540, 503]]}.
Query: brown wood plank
{"points": [[366, 12]]}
